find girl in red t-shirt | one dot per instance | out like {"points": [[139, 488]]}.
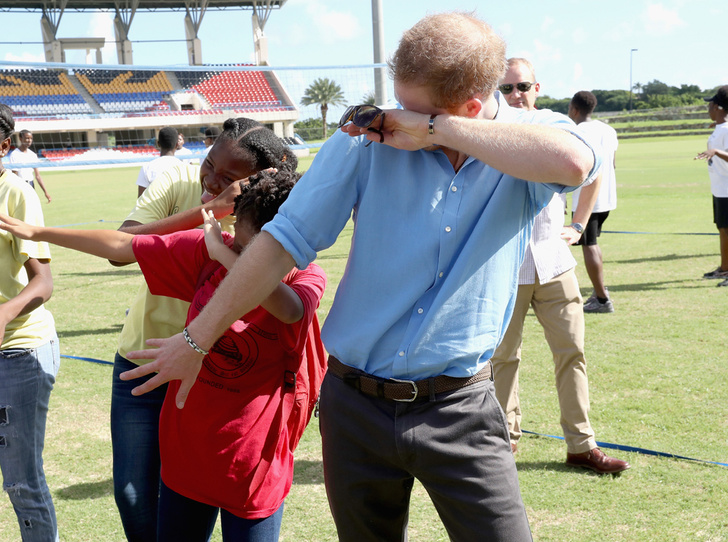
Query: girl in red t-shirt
{"points": [[231, 447]]}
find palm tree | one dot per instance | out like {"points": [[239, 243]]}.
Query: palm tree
{"points": [[638, 89], [324, 93]]}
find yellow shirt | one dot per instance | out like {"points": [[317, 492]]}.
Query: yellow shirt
{"points": [[19, 200], [151, 316]]}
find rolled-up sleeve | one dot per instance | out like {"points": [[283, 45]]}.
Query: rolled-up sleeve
{"points": [[321, 203]]}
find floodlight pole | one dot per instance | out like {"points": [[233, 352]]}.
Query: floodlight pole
{"points": [[630, 78], [380, 77]]}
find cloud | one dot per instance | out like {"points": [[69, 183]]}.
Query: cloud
{"points": [[296, 35], [546, 24], [330, 25], [578, 72], [546, 52], [661, 21], [505, 30], [579, 35], [620, 32], [101, 25], [341, 25]]}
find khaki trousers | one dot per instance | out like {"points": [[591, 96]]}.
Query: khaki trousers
{"points": [[558, 307]]}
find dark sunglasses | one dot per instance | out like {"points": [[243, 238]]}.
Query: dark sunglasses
{"points": [[523, 86], [363, 116]]}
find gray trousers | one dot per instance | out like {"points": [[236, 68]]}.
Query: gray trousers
{"points": [[456, 445]]}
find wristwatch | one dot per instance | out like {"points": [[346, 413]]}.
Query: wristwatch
{"points": [[578, 227]]}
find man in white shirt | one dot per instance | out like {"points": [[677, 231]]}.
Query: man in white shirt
{"points": [[580, 110], [167, 143], [23, 155], [547, 283]]}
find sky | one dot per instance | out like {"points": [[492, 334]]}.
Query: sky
{"points": [[573, 44]]}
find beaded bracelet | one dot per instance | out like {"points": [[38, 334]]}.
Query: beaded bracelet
{"points": [[431, 125], [192, 343]]}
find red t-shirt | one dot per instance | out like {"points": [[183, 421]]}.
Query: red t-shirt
{"points": [[229, 447]]}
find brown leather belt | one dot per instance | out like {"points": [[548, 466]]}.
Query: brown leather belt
{"points": [[403, 390]]}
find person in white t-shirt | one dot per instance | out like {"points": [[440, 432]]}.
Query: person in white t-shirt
{"points": [[580, 110], [211, 134], [167, 143], [23, 155], [717, 157], [183, 152]]}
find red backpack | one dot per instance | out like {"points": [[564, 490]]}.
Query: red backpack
{"points": [[307, 383]]}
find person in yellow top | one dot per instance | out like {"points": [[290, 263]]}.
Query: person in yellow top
{"points": [[172, 203], [29, 355]]}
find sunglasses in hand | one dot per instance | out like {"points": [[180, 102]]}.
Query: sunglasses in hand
{"points": [[523, 86], [364, 116]]}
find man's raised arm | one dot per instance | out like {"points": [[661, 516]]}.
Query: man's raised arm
{"points": [[533, 152], [256, 273]]}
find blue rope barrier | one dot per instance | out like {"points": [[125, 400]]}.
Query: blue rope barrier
{"points": [[634, 449], [92, 360], [658, 233], [620, 447]]}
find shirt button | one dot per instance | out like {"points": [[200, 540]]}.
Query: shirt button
{"points": [[454, 189], [401, 354], [420, 311], [441, 274], [448, 229]]}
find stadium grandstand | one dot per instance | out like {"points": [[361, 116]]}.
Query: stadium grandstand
{"points": [[72, 109]]}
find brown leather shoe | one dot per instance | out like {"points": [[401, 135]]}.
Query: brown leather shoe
{"points": [[514, 447], [597, 461]]}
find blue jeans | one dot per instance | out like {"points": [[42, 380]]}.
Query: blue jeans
{"points": [[26, 380], [181, 518], [135, 443]]}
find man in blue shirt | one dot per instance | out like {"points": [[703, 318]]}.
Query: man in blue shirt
{"points": [[442, 210]]}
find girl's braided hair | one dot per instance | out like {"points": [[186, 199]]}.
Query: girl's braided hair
{"points": [[7, 123], [267, 149], [261, 198]]}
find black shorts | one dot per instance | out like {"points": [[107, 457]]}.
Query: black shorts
{"points": [[593, 229], [720, 212]]}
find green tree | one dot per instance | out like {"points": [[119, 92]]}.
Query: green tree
{"points": [[323, 92], [638, 89], [560, 105], [613, 100], [655, 88], [690, 89], [310, 129]]}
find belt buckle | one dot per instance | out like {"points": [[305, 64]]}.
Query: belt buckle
{"points": [[415, 391]]}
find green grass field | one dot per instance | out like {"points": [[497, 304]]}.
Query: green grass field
{"points": [[657, 367]]}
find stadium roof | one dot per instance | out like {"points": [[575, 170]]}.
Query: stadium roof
{"points": [[150, 5], [53, 10]]}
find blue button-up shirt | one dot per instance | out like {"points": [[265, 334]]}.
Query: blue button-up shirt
{"points": [[430, 282]]}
